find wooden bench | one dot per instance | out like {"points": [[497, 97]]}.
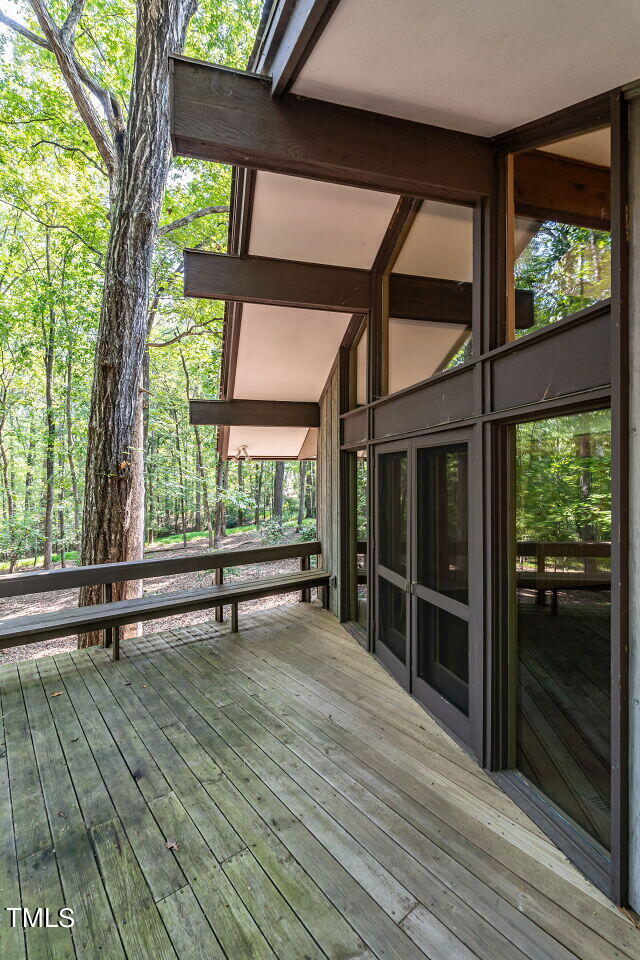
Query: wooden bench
{"points": [[563, 581], [542, 580], [112, 616]]}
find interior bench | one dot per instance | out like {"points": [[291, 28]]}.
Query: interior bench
{"points": [[111, 617]]}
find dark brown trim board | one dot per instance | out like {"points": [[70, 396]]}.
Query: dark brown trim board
{"points": [[305, 21], [254, 413], [591, 114], [620, 500], [230, 116]]}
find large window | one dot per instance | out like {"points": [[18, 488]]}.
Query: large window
{"points": [[430, 295], [560, 242], [563, 591]]}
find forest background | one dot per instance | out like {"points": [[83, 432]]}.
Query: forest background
{"points": [[54, 233]]}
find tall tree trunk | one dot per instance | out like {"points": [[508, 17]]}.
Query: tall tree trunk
{"points": [[113, 521], [303, 477], [222, 475], [204, 486], [181, 498], [28, 480], [278, 490], [240, 466], [50, 441], [259, 494], [73, 475]]}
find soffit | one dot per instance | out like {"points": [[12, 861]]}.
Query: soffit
{"points": [[299, 219], [592, 147], [417, 349], [479, 67], [267, 443], [439, 244], [286, 353]]}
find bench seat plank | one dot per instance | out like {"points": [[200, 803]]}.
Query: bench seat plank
{"points": [[61, 623]]}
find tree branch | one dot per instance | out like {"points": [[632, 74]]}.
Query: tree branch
{"points": [[24, 31], [76, 75], [70, 25], [56, 226], [64, 146], [68, 64], [195, 330], [189, 218]]}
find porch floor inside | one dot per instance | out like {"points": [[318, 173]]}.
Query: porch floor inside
{"points": [[267, 794]]}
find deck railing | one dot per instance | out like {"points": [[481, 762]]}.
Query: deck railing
{"points": [[107, 575]]}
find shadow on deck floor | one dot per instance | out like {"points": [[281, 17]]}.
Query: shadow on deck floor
{"points": [[267, 794]]}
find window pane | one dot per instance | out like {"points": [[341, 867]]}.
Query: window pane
{"points": [[561, 240], [442, 505], [431, 295], [393, 618], [563, 581], [567, 268], [392, 484], [443, 653]]}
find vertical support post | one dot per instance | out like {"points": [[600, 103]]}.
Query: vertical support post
{"points": [[325, 597], [117, 636], [305, 564], [107, 597], [234, 618], [540, 565], [219, 579]]}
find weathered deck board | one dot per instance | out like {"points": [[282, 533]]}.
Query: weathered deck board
{"points": [[317, 812]]}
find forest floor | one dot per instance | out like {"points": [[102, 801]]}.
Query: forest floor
{"points": [[60, 599]]}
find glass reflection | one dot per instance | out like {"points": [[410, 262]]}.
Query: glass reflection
{"points": [[563, 584]]}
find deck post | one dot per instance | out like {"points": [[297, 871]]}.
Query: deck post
{"points": [[305, 594], [234, 618], [107, 597], [117, 636], [218, 580]]}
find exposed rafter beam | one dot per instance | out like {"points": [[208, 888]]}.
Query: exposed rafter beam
{"points": [[230, 117], [430, 298], [550, 187], [254, 413], [324, 287], [305, 21], [280, 282]]}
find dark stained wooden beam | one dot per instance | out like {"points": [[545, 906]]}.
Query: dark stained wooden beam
{"points": [[290, 283], [254, 413], [430, 298], [549, 187], [281, 282], [230, 117]]}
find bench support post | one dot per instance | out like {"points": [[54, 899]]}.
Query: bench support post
{"points": [[218, 580], [117, 636], [305, 593], [107, 597], [234, 618]]}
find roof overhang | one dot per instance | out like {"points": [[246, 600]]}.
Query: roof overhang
{"points": [[342, 117]]}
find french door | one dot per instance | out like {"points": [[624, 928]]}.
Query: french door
{"points": [[425, 598]]}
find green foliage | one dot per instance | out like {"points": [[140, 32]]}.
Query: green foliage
{"points": [[54, 229], [308, 531], [563, 478], [271, 534], [567, 267]]}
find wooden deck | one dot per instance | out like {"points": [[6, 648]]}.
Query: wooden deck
{"points": [[267, 794]]}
